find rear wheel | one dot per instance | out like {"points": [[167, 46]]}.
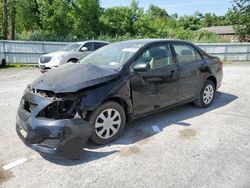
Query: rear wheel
{"points": [[206, 95], [109, 121]]}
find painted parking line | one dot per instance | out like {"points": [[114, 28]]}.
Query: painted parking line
{"points": [[15, 163]]}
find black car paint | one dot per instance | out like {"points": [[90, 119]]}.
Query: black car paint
{"points": [[73, 78], [139, 93]]}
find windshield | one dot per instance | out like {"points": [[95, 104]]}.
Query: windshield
{"points": [[71, 47], [113, 56]]}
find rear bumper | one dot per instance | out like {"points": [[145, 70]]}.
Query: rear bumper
{"points": [[63, 138], [219, 77]]}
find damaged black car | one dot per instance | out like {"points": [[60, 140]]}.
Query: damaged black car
{"points": [[95, 98]]}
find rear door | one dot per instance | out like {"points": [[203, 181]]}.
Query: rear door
{"points": [[157, 87], [190, 63]]}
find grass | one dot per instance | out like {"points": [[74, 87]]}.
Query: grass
{"points": [[18, 65]]}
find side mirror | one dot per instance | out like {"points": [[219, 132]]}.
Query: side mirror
{"points": [[141, 67], [83, 49]]}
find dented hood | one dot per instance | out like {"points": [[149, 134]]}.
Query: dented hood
{"points": [[72, 77]]}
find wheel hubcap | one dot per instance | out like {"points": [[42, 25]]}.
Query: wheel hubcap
{"points": [[107, 123], [208, 94]]}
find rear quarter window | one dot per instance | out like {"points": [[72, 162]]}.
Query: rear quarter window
{"points": [[185, 53]]}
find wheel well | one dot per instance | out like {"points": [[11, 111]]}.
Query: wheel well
{"points": [[120, 102], [213, 79], [72, 59]]}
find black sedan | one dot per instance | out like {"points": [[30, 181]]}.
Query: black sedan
{"points": [[96, 97]]}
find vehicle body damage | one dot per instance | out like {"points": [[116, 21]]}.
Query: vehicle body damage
{"points": [[93, 99], [50, 118]]}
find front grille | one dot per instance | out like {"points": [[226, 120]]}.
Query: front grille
{"points": [[45, 59], [52, 143]]}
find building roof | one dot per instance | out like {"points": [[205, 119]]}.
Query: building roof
{"points": [[219, 29]]}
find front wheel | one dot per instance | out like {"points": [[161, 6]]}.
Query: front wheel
{"points": [[206, 95], [109, 121]]}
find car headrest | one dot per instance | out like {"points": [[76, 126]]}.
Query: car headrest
{"points": [[158, 53]]}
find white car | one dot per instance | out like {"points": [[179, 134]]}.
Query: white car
{"points": [[2, 60], [71, 53]]}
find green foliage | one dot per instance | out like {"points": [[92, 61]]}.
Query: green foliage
{"points": [[154, 11], [86, 18], [76, 20], [117, 21], [55, 17], [240, 16]]}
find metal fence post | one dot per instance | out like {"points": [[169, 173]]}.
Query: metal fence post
{"points": [[4, 50], [248, 52], [226, 53], [43, 48]]}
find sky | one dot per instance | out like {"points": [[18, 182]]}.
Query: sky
{"points": [[181, 7]]}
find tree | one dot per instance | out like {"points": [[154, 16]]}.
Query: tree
{"points": [[87, 18], [28, 16], [55, 17], [155, 11], [117, 21], [240, 16], [190, 22], [5, 19], [13, 20]]}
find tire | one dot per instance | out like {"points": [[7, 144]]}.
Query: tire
{"points": [[3, 63], [109, 121], [206, 95]]}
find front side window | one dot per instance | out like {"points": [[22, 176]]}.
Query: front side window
{"points": [[186, 53], [156, 56], [89, 46], [72, 47]]}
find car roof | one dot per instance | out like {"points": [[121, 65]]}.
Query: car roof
{"points": [[146, 41], [101, 41]]}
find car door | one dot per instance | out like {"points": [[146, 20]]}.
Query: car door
{"points": [[157, 87], [189, 62]]}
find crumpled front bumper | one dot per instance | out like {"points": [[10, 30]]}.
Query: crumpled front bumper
{"points": [[64, 137]]}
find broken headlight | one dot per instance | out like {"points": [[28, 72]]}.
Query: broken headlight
{"points": [[64, 109], [59, 110]]}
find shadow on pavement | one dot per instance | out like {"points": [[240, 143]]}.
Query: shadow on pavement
{"points": [[141, 129]]}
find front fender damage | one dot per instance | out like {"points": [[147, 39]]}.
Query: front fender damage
{"points": [[51, 127]]}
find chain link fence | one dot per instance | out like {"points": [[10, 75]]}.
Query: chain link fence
{"points": [[29, 52]]}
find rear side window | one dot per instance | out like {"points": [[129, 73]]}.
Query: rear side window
{"points": [[98, 45], [156, 56], [186, 53]]}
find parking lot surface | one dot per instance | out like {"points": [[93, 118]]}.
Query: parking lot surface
{"points": [[194, 148]]}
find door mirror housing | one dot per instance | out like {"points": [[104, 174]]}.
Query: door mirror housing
{"points": [[141, 67], [83, 49]]}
